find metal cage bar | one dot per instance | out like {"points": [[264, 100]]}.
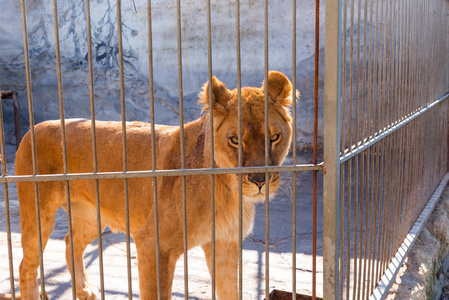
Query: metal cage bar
{"points": [[315, 147], [33, 145], [332, 121], [183, 155], [212, 154], [94, 149], [240, 148], [267, 156], [159, 173], [153, 147], [124, 145], [64, 146], [6, 196]]}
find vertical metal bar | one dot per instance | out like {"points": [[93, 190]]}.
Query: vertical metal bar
{"points": [[356, 199], [380, 165], [370, 154], [373, 212], [397, 39], [359, 8], [407, 60], [388, 83], [94, 148], [343, 81], [366, 200], [357, 124], [378, 209], [211, 122], [33, 145], [351, 80], [267, 155], [350, 121], [419, 101], [378, 121], [64, 145], [375, 116], [380, 103], [342, 223], [366, 112], [331, 168], [183, 155], [366, 90], [413, 107], [406, 95], [315, 142], [342, 141], [384, 211], [16, 105], [125, 154], [153, 152], [388, 212], [294, 159], [424, 94], [358, 225], [240, 147], [6, 195], [393, 116], [395, 191], [384, 121], [402, 147], [369, 207]]}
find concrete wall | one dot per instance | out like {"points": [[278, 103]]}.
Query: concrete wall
{"points": [[73, 43]]}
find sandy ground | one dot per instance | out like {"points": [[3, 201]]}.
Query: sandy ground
{"points": [[57, 277]]}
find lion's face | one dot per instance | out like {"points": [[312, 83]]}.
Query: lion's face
{"points": [[253, 130]]}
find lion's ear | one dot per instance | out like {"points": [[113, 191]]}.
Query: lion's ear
{"points": [[279, 88], [220, 94]]}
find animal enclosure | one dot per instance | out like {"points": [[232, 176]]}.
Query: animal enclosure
{"points": [[384, 130]]}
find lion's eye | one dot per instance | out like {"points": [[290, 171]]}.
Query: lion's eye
{"points": [[234, 140], [275, 138]]}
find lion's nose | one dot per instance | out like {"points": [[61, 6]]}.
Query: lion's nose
{"points": [[258, 179]]}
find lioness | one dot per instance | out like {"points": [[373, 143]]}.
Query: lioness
{"points": [[170, 212]]}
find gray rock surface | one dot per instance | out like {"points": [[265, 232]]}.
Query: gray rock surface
{"points": [[73, 44]]}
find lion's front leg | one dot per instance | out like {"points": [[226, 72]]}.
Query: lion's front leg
{"points": [[226, 268], [146, 262]]}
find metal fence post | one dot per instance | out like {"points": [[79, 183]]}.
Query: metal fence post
{"points": [[332, 131]]}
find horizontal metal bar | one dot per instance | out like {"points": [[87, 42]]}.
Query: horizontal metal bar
{"points": [[388, 278], [158, 173], [389, 131]]}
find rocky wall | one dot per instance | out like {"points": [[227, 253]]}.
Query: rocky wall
{"points": [[73, 43]]}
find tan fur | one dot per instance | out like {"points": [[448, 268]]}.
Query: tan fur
{"points": [[141, 209]]}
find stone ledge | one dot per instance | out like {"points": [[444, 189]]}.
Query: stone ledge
{"points": [[422, 275]]}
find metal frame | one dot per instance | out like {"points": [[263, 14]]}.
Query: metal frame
{"points": [[15, 100]]}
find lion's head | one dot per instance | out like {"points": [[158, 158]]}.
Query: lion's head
{"points": [[225, 113]]}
